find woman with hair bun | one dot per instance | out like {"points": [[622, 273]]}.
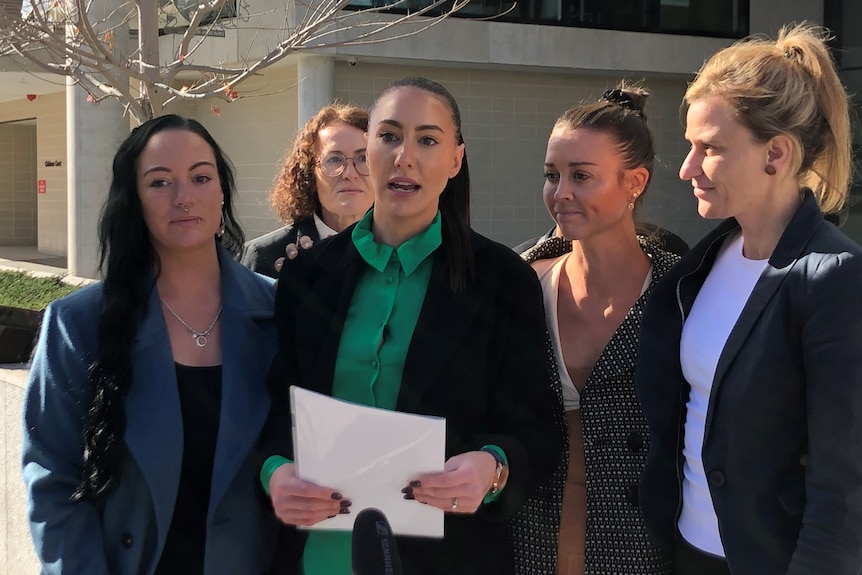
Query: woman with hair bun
{"points": [[596, 272], [750, 361]]}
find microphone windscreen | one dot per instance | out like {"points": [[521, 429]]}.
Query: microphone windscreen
{"points": [[374, 549]]}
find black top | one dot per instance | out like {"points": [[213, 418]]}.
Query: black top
{"points": [[200, 400], [259, 254]]}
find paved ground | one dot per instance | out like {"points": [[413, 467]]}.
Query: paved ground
{"points": [[17, 555]]}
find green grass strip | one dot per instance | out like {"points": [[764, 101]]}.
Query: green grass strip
{"points": [[20, 289]]}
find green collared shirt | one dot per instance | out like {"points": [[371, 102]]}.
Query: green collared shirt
{"points": [[373, 348]]}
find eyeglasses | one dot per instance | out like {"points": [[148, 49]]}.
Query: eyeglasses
{"points": [[333, 164]]}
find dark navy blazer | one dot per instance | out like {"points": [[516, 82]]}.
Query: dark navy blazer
{"points": [[782, 447]]}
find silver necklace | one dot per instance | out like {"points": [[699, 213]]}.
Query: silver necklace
{"points": [[200, 337]]}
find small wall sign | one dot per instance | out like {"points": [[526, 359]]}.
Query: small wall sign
{"points": [[43, 186]]}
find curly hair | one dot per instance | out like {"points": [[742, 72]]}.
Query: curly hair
{"points": [[294, 194]]}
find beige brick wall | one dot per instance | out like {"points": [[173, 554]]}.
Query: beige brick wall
{"points": [[18, 183], [507, 117], [49, 110], [254, 132]]}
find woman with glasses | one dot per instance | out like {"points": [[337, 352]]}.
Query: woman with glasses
{"points": [[411, 310], [322, 186]]}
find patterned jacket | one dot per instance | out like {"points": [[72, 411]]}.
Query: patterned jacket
{"points": [[616, 443]]}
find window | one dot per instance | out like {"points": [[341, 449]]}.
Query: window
{"points": [[723, 18], [176, 14]]}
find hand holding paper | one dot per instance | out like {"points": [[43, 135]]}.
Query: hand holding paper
{"points": [[298, 502], [461, 487], [368, 455]]}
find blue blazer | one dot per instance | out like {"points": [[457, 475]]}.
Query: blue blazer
{"points": [[126, 534], [782, 447]]}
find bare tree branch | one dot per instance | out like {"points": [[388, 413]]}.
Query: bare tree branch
{"points": [[85, 40]]}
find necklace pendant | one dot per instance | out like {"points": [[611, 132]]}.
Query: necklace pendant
{"points": [[200, 339]]}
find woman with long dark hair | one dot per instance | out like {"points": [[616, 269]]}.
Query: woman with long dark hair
{"points": [[411, 310], [147, 390]]}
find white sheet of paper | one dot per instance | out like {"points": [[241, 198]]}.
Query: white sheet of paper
{"points": [[368, 455]]}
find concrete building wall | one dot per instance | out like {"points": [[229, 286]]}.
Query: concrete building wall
{"points": [[50, 114], [18, 183], [512, 81], [255, 132], [507, 117]]}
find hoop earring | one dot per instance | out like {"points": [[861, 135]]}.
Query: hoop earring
{"points": [[769, 169], [221, 227], [633, 198]]}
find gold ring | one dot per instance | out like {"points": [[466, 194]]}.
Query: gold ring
{"points": [[454, 503]]}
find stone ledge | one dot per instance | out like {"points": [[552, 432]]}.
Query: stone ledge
{"points": [[15, 374]]}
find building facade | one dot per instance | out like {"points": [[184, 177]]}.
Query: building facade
{"points": [[512, 76]]}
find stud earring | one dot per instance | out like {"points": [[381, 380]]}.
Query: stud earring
{"points": [[634, 197], [769, 169]]}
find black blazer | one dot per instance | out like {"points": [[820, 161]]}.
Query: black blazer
{"points": [[477, 358], [259, 254], [783, 441]]}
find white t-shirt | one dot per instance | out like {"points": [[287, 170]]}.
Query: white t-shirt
{"points": [[714, 313]]}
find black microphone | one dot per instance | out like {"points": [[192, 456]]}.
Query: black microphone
{"points": [[374, 548]]}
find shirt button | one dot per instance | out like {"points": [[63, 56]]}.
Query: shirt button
{"points": [[632, 494], [716, 478], [126, 540], [374, 363], [635, 441], [389, 280]]}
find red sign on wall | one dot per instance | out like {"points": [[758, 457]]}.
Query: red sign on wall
{"points": [[43, 186]]}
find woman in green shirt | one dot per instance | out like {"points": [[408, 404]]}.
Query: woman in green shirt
{"points": [[413, 311]]}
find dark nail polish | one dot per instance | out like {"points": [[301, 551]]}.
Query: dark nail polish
{"points": [[336, 495], [331, 516], [409, 496], [415, 483], [343, 511], [345, 503], [406, 489]]}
